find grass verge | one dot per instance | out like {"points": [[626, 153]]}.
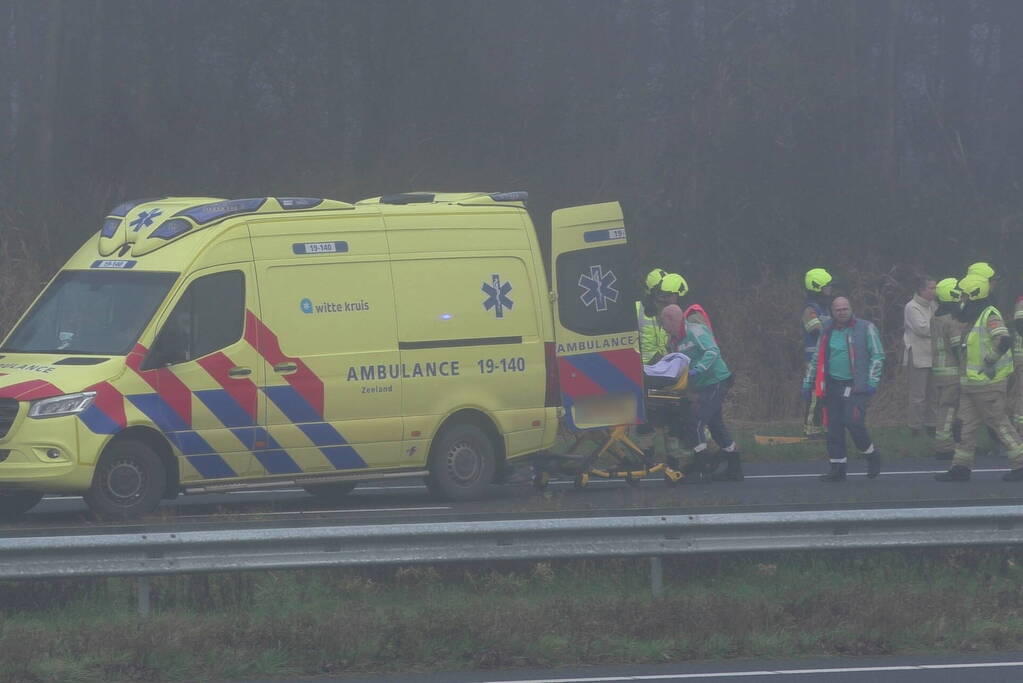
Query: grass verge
{"points": [[520, 614]]}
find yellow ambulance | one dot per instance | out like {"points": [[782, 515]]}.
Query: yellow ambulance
{"points": [[203, 344]]}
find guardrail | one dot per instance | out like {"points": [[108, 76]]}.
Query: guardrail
{"points": [[654, 536]]}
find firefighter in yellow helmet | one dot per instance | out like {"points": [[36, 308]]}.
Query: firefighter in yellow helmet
{"points": [[946, 334], [816, 313], [984, 368], [653, 342], [652, 339], [664, 291]]}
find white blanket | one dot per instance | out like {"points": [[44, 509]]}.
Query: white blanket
{"points": [[671, 365]]}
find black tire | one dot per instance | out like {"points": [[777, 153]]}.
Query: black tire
{"points": [[16, 503], [333, 492], [462, 463], [128, 482]]}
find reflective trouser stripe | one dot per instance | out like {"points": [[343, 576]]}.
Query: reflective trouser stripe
{"points": [[947, 402], [977, 408]]}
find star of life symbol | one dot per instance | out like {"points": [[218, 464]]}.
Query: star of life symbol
{"points": [[497, 295], [598, 288], [145, 219]]}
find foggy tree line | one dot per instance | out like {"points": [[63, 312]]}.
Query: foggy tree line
{"points": [[748, 140]]}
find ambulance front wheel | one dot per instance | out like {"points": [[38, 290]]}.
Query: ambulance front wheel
{"points": [[14, 503], [128, 481], [462, 463]]}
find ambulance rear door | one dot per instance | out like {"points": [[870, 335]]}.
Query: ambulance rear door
{"points": [[599, 367]]}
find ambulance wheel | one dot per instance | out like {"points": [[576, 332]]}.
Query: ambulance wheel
{"points": [[462, 463], [128, 482], [333, 492], [14, 503]]}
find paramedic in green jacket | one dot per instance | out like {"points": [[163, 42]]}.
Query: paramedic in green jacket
{"points": [[710, 379], [844, 372]]}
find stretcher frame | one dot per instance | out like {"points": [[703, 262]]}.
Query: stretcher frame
{"points": [[629, 462]]}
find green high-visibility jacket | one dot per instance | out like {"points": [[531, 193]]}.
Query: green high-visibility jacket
{"points": [[980, 347]]}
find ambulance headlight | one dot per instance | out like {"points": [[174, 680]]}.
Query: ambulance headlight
{"points": [[70, 404]]}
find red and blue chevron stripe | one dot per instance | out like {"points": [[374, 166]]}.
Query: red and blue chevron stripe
{"points": [[598, 374], [235, 405]]}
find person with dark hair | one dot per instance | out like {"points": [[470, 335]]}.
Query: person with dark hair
{"points": [[917, 355], [985, 366], [844, 373], [817, 283]]}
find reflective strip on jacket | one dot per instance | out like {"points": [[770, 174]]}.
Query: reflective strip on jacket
{"points": [[944, 363], [980, 346], [866, 355], [812, 326], [1017, 347]]}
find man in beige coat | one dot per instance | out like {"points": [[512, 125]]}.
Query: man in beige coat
{"points": [[917, 356]]}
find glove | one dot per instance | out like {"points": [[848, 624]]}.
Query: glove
{"points": [[693, 373], [870, 391], [989, 368], [806, 393]]}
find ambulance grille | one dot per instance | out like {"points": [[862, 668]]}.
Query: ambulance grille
{"points": [[8, 411]]}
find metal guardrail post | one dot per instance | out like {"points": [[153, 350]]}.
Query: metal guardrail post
{"points": [[142, 595], [656, 576]]}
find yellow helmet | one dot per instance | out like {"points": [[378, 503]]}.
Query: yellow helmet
{"points": [[982, 269], [975, 286], [653, 278], [674, 284], [947, 290], [817, 279]]}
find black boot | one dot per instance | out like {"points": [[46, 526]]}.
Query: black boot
{"points": [[1013, 475], [836, 473], [873, 464], [672, 462], [695, 470], [733, 467], [956, 473]]}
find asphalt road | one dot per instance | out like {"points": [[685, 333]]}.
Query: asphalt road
{"points": [[768, 486]]}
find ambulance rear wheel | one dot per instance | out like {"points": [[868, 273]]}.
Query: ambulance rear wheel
{"points": [[14, 503], [333, 492], [462, 463], [128, 481]]}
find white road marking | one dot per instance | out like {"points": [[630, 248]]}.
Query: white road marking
{"points": [[780, 672], [308, 512]]}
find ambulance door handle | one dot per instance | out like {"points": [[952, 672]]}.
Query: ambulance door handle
{"points": [[239, 372], [285, 367]]}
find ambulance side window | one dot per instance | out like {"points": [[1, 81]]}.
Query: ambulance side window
{"points": [[592, 299], [209, 316]]}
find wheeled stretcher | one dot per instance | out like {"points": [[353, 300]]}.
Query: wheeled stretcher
{"points": [[613, 454]]}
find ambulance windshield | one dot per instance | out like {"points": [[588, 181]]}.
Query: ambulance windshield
{"points": [[98, 312]]}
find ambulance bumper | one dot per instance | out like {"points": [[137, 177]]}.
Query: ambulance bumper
{"points": [[41, 455]]}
